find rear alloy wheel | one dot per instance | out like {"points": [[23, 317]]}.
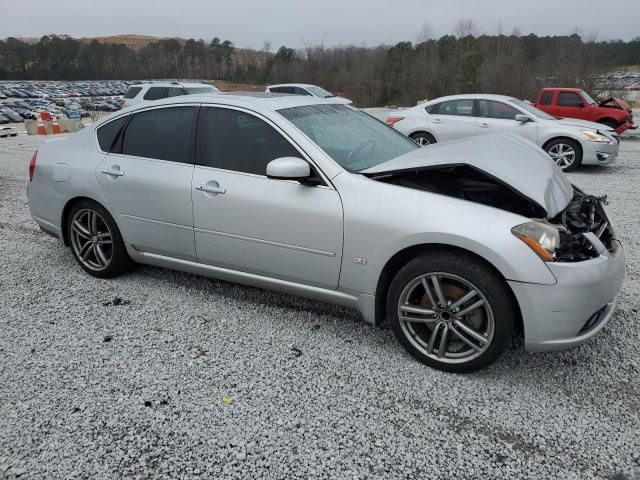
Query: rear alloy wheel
{"points": [[451, 312], [95, 240], [566, 153], [423, 139]]}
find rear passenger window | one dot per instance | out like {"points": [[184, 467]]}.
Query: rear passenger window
{"points": [[132, 92], [163, 134], [545, 98], [156, 93], [241, 142], [108, 133], [568, 99]]}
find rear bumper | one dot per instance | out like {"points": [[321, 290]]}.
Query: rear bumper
{"points": [[577, 307]]}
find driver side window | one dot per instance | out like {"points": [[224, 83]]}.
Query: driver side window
{"points": [[241, 142]]}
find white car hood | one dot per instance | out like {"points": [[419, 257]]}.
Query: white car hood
{"points": [[574, 122], [515, 161]]}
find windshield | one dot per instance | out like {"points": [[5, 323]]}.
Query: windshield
{"points": [[193, 90], [531, 109], [587, 98], [320, 92], [354, 139]]}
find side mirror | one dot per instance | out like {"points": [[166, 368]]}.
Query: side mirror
{"points": [[288, 168], [521, 117]]}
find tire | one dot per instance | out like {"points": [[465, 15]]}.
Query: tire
{"points": [[609, 123], [565, 152], [490, 324], [423, 138], [97, 247]]}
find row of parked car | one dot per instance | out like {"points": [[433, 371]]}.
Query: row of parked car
{"points": [[26, 100], [46, 90]]}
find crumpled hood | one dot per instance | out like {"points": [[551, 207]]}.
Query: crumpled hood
{"points": [[515, 161], [616, 103]]}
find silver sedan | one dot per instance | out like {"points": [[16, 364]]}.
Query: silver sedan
{"points": [[456, 246]]}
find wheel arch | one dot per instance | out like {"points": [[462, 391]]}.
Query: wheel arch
{"points": [[399, 259], [564, 137], [65, 214], [422, 130]]}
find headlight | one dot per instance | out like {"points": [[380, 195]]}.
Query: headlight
{"points": [[595, 136], [540, 237]]}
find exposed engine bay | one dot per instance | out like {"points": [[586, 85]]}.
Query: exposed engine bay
{"points": [[584, 214]]}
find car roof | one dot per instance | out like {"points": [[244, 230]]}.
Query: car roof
{"points": [[303, 85], [470, 96], [264, 100], [568, 89], [171, 84]]}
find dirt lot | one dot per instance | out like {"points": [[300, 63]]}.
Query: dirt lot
{"points": [[160, 374]]}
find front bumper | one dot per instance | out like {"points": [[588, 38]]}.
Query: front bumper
{"points": [[599, 153], [577, 307], [628, 125]]}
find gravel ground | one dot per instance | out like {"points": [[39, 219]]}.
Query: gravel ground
{"points": [[164, 374]]}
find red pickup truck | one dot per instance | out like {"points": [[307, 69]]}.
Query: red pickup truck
{"points": [[576, 103]]}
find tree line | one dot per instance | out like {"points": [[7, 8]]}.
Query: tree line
{"points": [[400, 74]]}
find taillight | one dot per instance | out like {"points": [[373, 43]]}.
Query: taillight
{"points": [[32, 165], [393, 120]]}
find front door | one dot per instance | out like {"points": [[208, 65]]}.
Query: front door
{"points": [[495, 116], [147, 181], [248, 222]]}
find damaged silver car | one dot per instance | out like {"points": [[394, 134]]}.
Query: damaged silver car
{"points": [[456, 246]]}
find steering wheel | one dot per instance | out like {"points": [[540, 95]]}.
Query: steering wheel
{"points": [[365, 148]]}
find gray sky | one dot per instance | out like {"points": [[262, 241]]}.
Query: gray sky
{"points": [[249, 23]]}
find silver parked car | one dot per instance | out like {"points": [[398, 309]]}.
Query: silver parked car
{"points": [[570, 142], [456, 245]]}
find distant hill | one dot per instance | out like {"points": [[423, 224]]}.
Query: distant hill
{"points": [[135, 42]]}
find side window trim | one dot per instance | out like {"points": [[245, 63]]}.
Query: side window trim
{"points": [[192, 140], [201, 145]]}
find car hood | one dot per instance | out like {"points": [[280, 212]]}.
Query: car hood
{"points": [[615, 103], [516, 162], [574, 122]]}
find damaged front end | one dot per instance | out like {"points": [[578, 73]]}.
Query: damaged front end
{"points": [[578, 232], [582, 221]]}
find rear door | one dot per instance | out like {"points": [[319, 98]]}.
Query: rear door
{"points": [[495, 116], [146, 179], [248, 222], [452, 119]]}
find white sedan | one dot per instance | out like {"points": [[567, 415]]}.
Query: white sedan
{"points": [[307, 90], [570, 142]]}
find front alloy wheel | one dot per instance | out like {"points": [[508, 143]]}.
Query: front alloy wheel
{"points": [[566, 153], [451, 311], [446, 317]]}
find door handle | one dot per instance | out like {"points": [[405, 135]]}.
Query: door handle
{"points": [[436, 120], [211, 189], [116, 172], [483, 125]]}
